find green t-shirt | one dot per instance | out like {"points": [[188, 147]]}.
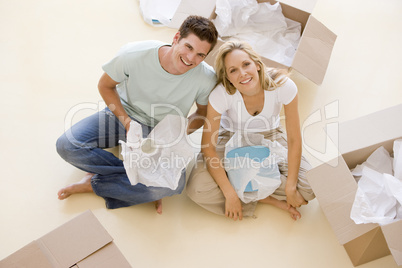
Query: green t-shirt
{"points": [[148, 92]]}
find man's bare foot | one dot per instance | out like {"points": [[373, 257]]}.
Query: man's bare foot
{"points": [[294, 213], [83, 186], [158, 206]]}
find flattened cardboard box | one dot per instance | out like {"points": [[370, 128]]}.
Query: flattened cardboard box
{"points": [[335, 187], [79, 243], [314, 49]]}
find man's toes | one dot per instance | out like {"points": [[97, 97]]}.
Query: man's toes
{"points": [[63, 194], [158, 206]]}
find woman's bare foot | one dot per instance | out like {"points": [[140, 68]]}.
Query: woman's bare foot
{"points": [[282, 204], [158, 206], [294, 213], [83, 186]]}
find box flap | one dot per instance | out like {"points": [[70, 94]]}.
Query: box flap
{"points": [[367, 247], [393, 235], [27, 257], [74, 240], [382, 126], [335, 189], [106, 257], [189, 7], [314, 51]]}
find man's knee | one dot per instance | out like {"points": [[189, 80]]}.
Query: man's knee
{"points": [[62, 146], [65, 147]]}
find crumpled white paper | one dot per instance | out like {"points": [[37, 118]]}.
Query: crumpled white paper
{"points": [[379, 160], [398, 159], [243, 171], [158, 12], [262, 25], [159, 159], [379, 194]]}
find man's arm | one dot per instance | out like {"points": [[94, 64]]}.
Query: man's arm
{"points": [[107, 89], [196, 120]]}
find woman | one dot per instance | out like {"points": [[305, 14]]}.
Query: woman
{"points": [[249, 97]]}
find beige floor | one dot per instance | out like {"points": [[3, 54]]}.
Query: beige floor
{"points": [[51, 57]]}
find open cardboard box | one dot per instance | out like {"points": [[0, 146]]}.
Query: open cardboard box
{"points": [[79, 243], [335, 187], [312, 55]]}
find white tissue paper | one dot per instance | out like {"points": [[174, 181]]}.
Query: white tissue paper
{"points": [[262, 25], [253, 176], [398, 159], [379, 194], [158, 12], [159, 159], [379, 160]]}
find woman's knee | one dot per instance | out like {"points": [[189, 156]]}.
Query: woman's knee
{"points": [[191, 187], [202, 188]]}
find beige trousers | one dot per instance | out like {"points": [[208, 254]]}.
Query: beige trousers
{"points": [[203, 190]]}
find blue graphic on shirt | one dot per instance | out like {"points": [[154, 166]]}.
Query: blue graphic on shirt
{"points": [[256, 153]]}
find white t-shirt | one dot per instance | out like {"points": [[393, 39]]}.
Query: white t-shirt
{"points": [[148, 93], [235, 116]]}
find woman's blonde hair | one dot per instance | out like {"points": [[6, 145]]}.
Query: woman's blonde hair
{"points": [[270, 78]]}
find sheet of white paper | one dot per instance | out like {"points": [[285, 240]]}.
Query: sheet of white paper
{"points": [[134, 135], [379, 195], [242, 170], [379, 160], [398, 159], [372, 202], [158, 11], [161, 157]]}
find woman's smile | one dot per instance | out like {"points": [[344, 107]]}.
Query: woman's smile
{"points": [[242, 72], [246, 81]]}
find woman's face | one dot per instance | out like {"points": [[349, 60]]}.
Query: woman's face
{"points": [[242, 72]]}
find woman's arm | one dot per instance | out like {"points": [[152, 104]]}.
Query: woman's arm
{"points": [[233, 208], [293, 197]]}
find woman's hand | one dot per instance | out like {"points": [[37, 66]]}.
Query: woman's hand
{"points": [[233, 207], [294, 198]]}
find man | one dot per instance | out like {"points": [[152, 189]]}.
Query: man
{"points": [[144, 82]]}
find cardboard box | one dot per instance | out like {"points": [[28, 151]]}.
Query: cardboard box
{"points": [[79, 243], [335, 187], [315, 47]]}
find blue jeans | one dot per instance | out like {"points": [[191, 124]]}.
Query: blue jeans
{"points": [[82, 146]]}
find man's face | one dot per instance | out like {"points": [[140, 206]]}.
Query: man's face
{"points": [[188, 52]]}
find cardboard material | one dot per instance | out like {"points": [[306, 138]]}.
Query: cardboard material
{"points": [[186, 8], [81, 242], [335, 187], [314, 50]]}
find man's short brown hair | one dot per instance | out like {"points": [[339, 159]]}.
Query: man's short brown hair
{"points": [[202, 27]]}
